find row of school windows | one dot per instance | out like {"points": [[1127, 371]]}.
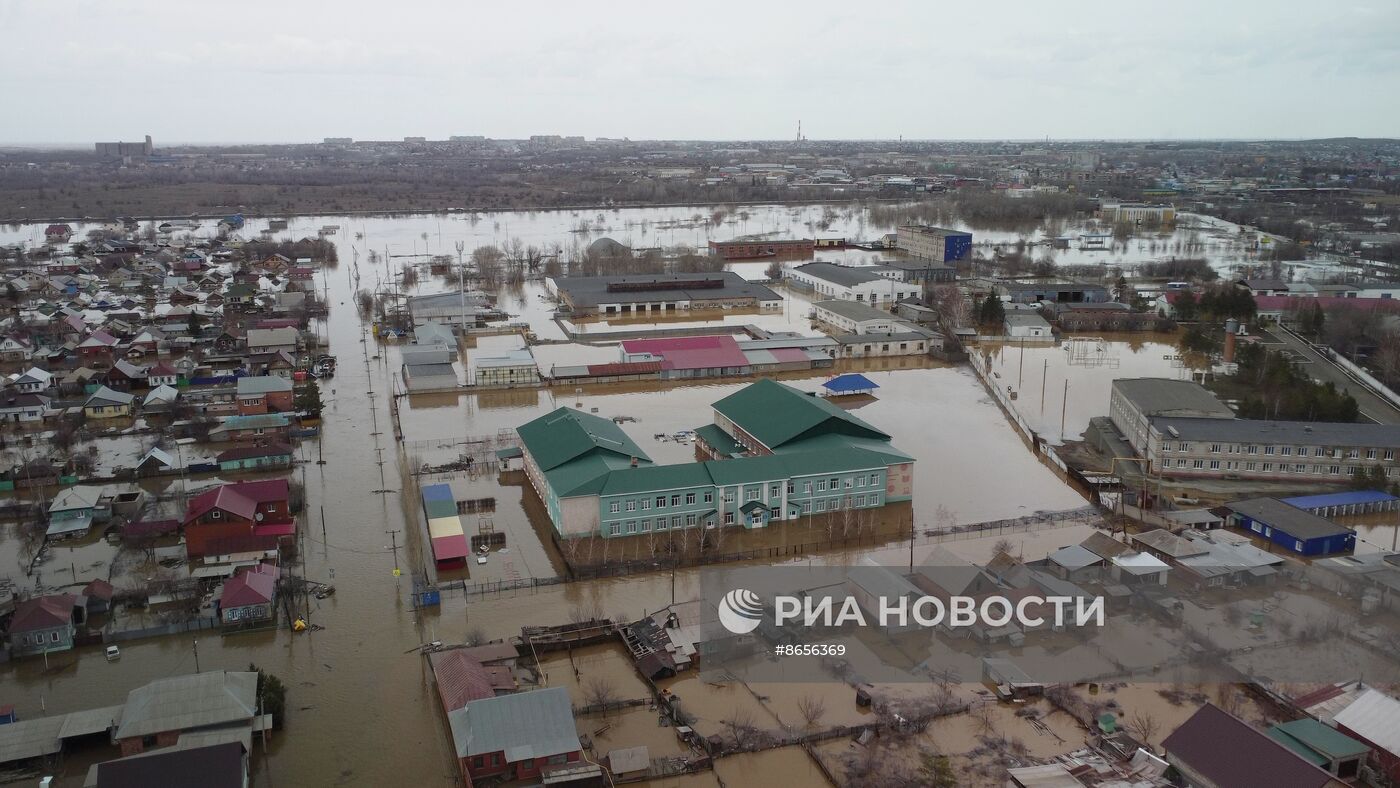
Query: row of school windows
{"points": [[676, 522], [1284, 451], [751, 493], [1269, 467]]}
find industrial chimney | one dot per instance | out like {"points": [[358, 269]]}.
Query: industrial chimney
{"points": [[1232, 327]]}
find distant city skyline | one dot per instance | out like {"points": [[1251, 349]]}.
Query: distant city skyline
{"points": [[292, 72]]}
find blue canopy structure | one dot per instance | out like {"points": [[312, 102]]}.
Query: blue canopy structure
{"points": [[852, 383]]}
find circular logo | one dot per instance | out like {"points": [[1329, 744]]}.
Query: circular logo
{"points": [[740, 611]]}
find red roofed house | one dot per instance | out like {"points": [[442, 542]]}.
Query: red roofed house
{"points": [[461, 678], [43, 624], [98, 345], [58, 233], [246, 509], [247, 597], [690, 357]]}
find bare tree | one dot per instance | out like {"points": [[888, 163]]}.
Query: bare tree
{"points": [[1144, 726], [739, 723], [812, 708], [599, 691]]}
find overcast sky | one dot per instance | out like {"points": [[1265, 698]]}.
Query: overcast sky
{"points": [[294, 70]]}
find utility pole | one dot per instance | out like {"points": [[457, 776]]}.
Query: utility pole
{"points": [[394, 541], [1020, 365], [1064, 405], [1044, 373], [196, 655]]}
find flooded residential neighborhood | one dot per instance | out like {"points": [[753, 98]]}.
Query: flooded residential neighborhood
{"points": [[496, 406]]}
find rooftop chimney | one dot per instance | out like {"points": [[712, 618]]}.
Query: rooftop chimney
{"points": [[1232, 327]]}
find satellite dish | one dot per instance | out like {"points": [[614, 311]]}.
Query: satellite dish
{"points": [[258, 516]]}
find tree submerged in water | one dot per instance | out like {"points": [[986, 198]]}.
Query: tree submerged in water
{"points": [[272, 696]]}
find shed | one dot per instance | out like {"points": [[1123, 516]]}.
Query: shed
{"points": [[1290, 527], [852, 383]]}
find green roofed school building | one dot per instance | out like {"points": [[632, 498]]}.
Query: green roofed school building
{"points": [[773, 453]]}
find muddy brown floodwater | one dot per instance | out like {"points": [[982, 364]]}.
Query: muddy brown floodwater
{"points": [[361, 711]]}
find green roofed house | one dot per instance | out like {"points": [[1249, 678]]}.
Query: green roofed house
{"points": [[1327, 748], [773, 453]]}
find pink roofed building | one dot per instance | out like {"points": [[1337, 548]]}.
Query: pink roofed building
{"points": [[247, 509], [690, 357], [248, 596]]}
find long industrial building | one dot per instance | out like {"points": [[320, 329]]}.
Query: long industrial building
{"points": [[584, 296], [774, 453]]}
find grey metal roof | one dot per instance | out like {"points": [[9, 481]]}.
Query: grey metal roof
{"points": [[534, 724], [1074, 557], [1164, 397], [1290, 519], [844, 275], [430, 370], [30, 738], [1303, 433], [587, 291], [89, 721], [197, 700], [1031, 319], [263, 384]]}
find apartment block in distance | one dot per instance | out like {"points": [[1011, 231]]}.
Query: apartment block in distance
{"points": [[934, 243]]}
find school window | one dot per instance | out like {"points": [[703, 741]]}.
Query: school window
{"points": [[1215, 465], [1166, 445], [690, 519], [1268, 449], [1198, 464], [675, 500], [1319, 451], [1389, 454], [849, 483], [1285, 450], [807, 488], [1215, 448], [645, 504], [1183, 446], [1370, 454], [1299, 468], [646, 526], [631, 506], [1334, 469], [631, 526], [821, 486], [676, 521], [1251, 449], [709, 497], [1249, 466], [729, 496], [1353, 454], [860, 500], [807, 505], [661, 502], [1181, 463], [728, 518], [613, 529], [791, 488], [875, 479], [613, 507], [690, 499], [775, 490], [751, 495], [834, 483]]}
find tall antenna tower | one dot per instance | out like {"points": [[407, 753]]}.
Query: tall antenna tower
{"points": [[799, 129]]}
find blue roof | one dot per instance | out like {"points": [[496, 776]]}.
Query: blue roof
{"points": [[1338, 499], [437, 492], [852, 382]]}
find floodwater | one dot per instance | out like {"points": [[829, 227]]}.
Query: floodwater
{"points": [[352, 686], [1038, 374]]}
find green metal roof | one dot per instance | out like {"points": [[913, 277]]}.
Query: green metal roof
{"points": [[775, 414], [656, 478], [830, 442], [565, 434], [1316, 742], [719, 440], [585, 475]]}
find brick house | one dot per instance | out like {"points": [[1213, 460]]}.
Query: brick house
{"points": [[264, 394], [259, 509]]}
